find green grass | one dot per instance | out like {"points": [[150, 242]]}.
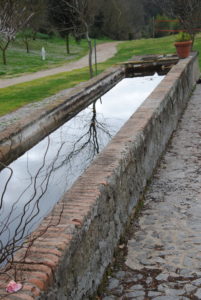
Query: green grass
{"points": [[19, 61], [127, 50], [16, 96], [165, 45]]}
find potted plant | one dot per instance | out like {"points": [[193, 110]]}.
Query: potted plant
{"points": [[183, 44]]}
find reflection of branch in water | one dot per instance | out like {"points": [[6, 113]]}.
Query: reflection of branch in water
{"points": [[12, 240], [5, 187], [91, 138], [17, 224]]}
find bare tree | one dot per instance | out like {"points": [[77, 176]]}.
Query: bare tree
{"points": [[188, 12], [61, 18], [14, 15], [38, 11], [82, 14]]}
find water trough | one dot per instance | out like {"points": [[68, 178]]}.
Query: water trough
{"points": [[22, 129], [97, 207]]}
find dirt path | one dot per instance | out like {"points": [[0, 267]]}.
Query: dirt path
{"points": [[104, 52]]}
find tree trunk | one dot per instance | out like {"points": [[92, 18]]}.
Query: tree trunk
{"points": [[95, 54], [90, 55], [34, 35], [27, 45], [67, 44], [3, 49], [4, 56]]}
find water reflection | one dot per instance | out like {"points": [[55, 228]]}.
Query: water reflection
{"points": [[32, 184]]}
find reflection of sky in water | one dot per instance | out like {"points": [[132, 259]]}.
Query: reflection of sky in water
{"points": [[135, 90], [42, 175]]}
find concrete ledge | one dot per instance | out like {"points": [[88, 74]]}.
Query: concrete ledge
{"points": [[69, 260]]}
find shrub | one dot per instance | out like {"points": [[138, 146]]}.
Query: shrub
{"points": [[183, 37]]}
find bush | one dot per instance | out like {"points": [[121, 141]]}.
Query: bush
{"points": [[183, 37], [28, 33], [42, 36]]}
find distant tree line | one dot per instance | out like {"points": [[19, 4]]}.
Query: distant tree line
{"points": [[187, 12], [116, 19]]}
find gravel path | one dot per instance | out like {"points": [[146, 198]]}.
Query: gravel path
{"points": [[163, 261], [104, 52]]}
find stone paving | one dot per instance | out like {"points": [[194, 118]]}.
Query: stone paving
{"points": [[163, 260]]}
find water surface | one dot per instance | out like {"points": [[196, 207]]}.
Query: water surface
{"points": [[31, 185]]}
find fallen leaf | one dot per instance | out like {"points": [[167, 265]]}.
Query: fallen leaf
{"points": [[13, 287]]}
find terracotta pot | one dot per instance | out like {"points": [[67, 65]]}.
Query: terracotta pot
{"points": [[183, 48]]}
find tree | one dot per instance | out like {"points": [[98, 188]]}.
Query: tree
{"points": [[38, 10], [188, 12], [120, 19], [26, 35], [76, 17], [61, 18], [82, 14], [14, 15]]}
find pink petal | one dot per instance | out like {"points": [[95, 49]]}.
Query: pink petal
{"points": [[13, 287]]}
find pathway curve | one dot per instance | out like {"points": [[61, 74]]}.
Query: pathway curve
{"points": [[104, 52], [164, 252]]}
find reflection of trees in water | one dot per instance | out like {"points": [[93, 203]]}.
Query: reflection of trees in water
{"points": [[17, 223], [21, 217], [95, 135]]}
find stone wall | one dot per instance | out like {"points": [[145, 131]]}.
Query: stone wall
{"points": [[69, 260]]}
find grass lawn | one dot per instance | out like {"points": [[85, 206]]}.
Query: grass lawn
{"points": [[19, 61], [16, 96]]}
